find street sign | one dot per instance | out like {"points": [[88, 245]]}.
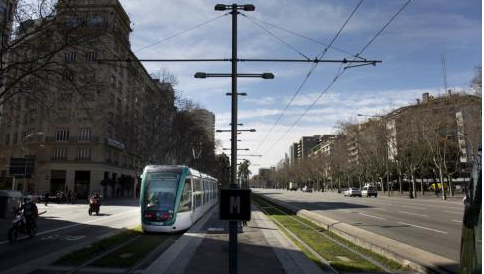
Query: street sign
{"points": [[22, 166], [235, 204]]}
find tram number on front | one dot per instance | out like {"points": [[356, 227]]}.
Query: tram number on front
{"points": [[235, 204]]}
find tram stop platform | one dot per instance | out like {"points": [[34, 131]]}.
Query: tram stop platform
{"points": [[262, 248]]}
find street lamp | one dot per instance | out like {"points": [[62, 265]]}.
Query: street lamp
{"points": [[239, 130]]}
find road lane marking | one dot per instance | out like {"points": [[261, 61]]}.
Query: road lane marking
{"points": [[423, 227], [414, 207], [454, 212], [73, 225], [371, 216], [457, 221], [405, 212]]}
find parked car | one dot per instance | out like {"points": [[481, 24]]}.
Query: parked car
{"points": [[353, 191], [369, 191], [292, 186], [307, 189]]}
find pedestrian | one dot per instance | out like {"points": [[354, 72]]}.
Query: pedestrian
{"points": [[68, 197], [73, 197], [46, 198]]}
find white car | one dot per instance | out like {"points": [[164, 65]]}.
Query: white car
{"points": [[353, 191], [307, 189], [369, 191]]}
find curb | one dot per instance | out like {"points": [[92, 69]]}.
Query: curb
{"points": [[409, 256]]}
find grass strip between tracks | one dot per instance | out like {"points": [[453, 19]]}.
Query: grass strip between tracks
{"points": [[125, 256], [131, 253], [82, 255], [339, 257]]}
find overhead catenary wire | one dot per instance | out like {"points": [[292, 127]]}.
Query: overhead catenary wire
{"points": [[303, 36], [181, 32], [313, 67], [337, 76], [275, 36]]}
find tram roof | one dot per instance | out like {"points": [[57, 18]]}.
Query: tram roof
{"points": [[176, 169]]}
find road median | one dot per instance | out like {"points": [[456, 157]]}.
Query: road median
{"points": [[406, 255]]}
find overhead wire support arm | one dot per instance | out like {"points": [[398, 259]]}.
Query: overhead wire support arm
{"points": [[315, 60]]}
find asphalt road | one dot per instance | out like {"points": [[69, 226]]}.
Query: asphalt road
{"points": [[433, 225], [63, 226]]}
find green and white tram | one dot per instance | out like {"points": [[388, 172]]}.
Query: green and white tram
{"points": [[173, 198]]}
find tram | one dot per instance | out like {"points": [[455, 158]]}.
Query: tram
{"points": [[173, 198]]}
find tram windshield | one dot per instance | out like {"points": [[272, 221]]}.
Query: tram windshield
{"points": [[160, 191]]}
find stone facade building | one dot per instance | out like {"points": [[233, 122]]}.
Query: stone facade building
{"points": [[88, 123]]}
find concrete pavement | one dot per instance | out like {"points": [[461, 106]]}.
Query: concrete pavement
{"points": [[431, 225], [262, 248]]}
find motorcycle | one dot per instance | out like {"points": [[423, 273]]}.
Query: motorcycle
{"points": [[94, 205], [19, 226]]}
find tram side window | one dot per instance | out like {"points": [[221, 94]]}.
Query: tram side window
{"points": [[205, 192], [186, 199], [197, 197]]}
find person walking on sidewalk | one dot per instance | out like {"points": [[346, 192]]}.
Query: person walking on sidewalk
{"points": [[46, 198]]}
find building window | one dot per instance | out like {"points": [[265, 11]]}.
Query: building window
{"points": [[70, 56], [95, 21], [7, 139], [84, 135], [66, 97], [60, 154], [90, 76], [91, 56], [84, 154], [62, 135], [88, 97], [73, 22], [113, 81], [107, 156], [68, 75], [15, 138]]}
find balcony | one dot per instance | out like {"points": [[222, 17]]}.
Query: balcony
{"points": [[72, 139]]}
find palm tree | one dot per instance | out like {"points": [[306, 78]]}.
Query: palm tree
{"points": [[244, 172]]}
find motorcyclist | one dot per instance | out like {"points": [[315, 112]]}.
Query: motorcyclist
{"points": [[30, 211]]}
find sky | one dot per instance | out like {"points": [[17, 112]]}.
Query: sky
{"points": [[411, 49]]}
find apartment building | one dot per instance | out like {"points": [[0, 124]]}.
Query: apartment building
{"points": [[85, 121], [455, 116]]}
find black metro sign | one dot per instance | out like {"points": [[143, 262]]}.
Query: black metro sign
{"points": [[235, 204]]}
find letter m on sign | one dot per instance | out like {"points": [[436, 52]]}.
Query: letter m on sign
{"points": [[235, 204]]}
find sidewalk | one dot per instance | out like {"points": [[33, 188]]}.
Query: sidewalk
{"points": [[262, 248]]}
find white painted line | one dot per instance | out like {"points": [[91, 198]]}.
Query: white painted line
{"points": [[345, 210], [74, 225], [414, 207], [454, 212], [423, 227], [215, 229], [371, 216], [457, 221], [405, 212]]}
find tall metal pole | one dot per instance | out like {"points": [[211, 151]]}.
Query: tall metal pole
{"points": [[233, 225]]}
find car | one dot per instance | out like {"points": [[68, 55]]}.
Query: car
{"points": [[369, 191], [292, 186], [307, 189], [352, 191]]}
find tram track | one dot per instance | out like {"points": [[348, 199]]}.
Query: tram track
{"points": [[323, 261]]}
